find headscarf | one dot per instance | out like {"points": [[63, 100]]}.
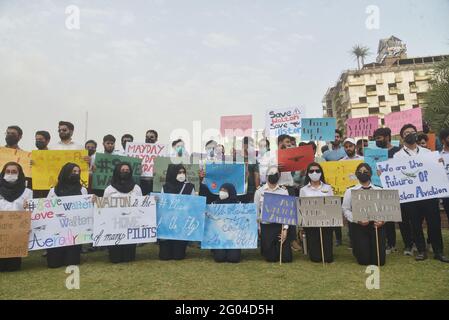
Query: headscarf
{"points": [[174, 186], [65, 186], [232, 194], [123, 185], [10, 191]]}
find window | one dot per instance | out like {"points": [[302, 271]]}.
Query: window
{"points": [[363, 100], [400, 97], [382, 122], [420, 95], [373, 110], [412, 84], [392, 86], [381, 98], [371, 88], [395, 109]]}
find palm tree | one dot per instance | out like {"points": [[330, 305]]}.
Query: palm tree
{"points": [[360, 53]]}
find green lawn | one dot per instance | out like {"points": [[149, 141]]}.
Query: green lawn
{"points": [[199, 277]]}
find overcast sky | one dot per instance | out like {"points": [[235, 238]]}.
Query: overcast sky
{"points": [[136, 65]]}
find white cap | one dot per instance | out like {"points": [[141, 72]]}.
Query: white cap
{"points": [[351, 140]]}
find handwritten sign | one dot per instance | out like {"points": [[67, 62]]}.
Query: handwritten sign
{"points": [[396, 120], [147, 152], [445, 157], [376, 205], [104, 168], [340, 174], [48, 163], [318, 129], [236, 126], [14, 227], [361, 127], [21, 157], [372, 157], [422, 177], [283, 121], [180, 217], [160, 173], [230, 226], [278, 208], [219, 173], [295, 159], [320, 211], [60, 221], [124, 220]]}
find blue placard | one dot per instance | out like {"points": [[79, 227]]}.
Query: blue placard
{"points": [[372, 144], [372, 156], [217, 174], [180, 217], [318, 129], [279, 208], [230, 226]]}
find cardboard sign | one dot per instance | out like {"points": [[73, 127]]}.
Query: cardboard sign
{"points": [[320, 211], [283, 121], [318, 129], [372, 157], [361, 127], [279, 208], [14, 227], [376, 205], [219, 173], [295, 159], [147, 152], [21, 157], [396, 120], [160, 173], [340, 174], [236, 126], [104, 168]]}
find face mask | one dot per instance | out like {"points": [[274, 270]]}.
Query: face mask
{"points": [[179, 150], [125, 175], [273, 178], [40, 145], [223, 195], [149, 140], [411, 138], [315, 176], [74, 178], [11, 140], [90, 152], [11, 177], [363, 177], [181, 177], [381, 144]]}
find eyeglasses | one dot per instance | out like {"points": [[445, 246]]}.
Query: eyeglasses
{"points": [[316, 170]]}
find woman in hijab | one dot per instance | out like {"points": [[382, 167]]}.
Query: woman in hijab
{"points": [[69, 184], [227, 194], [13, 197], [175, 183], [122, 185]]}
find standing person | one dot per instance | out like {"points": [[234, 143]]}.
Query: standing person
{"points": [[363, 233], [273, 234], [146, 183], [151, 136], [285, 178], [109, 144], [315, 186], [178, 153], [361, 145], [124, 140], [444, 138], [263, 159], [91, 147], [65, 130], [69, 184], [252, 178], [422, 140], [227, 195], [417, 211], [337, 152], [175, 183], [122, 185], [13, 136], [13, 197], [350, 150], [42, 139]]}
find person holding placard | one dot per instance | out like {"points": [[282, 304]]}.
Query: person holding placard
{"points": [[13, 136], [13, 197], [337, 152], [285, 178], [175, 183], [122, 185], [263, 159], [444, 138], [315, 186], [350, 150]]}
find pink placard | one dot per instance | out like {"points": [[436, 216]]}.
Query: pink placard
{"points": [[361, 127], [396, 120], [236, 125]]}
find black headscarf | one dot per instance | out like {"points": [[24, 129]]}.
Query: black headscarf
{"points": [[174, 186], [67, 187], [232, 194], [10, 191], [123, 185]]}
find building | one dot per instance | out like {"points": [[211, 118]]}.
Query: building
{"points": [[393, 83]]}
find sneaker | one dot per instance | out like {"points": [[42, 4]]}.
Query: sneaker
{"points": [[441, 258], [408, 251], [421, 256]]}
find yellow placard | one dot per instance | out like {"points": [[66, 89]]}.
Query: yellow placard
{"points": [[21, 157], [340, 174], [48, 163]]}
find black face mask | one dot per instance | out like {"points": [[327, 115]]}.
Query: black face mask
{"points": [[381, 144], [411, 138], [125, 142], [90, 152], [125, 175], [149, 140], [273, 178], [74, 178], [363, 177], [40, 145], [11, 140]]}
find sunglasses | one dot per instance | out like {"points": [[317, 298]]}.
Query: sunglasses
{"points": [[317, 171]]}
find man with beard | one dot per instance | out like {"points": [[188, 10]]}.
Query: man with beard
{"points": [[151, 136], [382, 136], [337, 152], [65, 130], [124, 140], [13, 136], [349, 147], [42, 140]]}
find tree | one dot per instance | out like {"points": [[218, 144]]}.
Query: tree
{"points": [[360, 53]]}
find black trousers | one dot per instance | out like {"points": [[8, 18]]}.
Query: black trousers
{"points": [[446, 207], [338, 235], [227, 255], [122, 253], [417, 211], [314, 244], [10, 264], [64, 256], [146, 185], [270, 244], [364, 244], [172, 249], [390, 231]]}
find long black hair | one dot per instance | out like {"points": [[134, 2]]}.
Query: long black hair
{"points": [[314, 164], [66, 187], [123, 185]]}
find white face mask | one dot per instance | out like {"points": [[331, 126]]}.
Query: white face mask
{"points": [[315, 176], [11, 177], [181, 177], [223, 195]]}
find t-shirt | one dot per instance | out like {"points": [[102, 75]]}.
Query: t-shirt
{"points": [[334, 155]]}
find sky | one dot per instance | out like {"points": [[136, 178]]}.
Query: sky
{"points": [[171, 64]]}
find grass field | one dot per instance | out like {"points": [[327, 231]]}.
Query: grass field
{"points": [[199, 277]]}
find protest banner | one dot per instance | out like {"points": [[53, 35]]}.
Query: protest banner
{"points": [[419, 178], [104, 168], [340, 174], [320, 211], [147, 152], [372, 144], [48, 163], [180, 217], [361, 127], [236, 126], [14, 228], [160, 173], [21, 157], [295, 159], [279, 208], [375, 205], [60, 221], [396, 120], [445, 157], [124, 220], [230, 226], [372, 157], [219, 173], [318, 129], [283, 121]]}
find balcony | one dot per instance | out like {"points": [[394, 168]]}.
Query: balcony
{"points": [[401, 102], [359, 105], [422, 77], [358, 82], [371, 93], [393, 91], [382, 103], [413, 89], [379, 81]]}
